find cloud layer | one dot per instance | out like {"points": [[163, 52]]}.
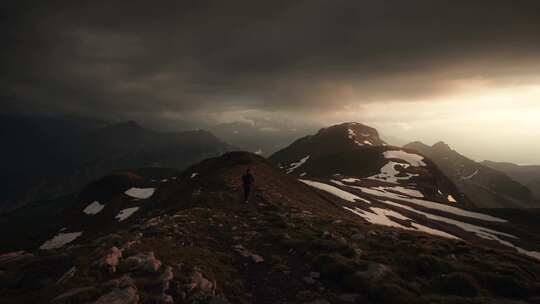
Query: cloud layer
{"points": [[197, 63]]}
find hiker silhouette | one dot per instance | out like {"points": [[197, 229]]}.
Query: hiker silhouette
{"points": [[247, 181]]}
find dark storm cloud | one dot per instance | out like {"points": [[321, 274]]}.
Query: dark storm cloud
{"points": [[159, 59]]}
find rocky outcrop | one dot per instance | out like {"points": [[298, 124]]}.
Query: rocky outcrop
{"points": [[127, 295]]}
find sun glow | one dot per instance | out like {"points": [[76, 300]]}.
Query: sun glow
{"points": [[505, 121]]}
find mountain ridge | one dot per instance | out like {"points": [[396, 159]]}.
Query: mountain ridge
{"points": [[45, 167], [487, 187], [193, 240]]}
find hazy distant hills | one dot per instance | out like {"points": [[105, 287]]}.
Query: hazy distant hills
{"points": [[257, 137], [48, 157], [526, 175], [485, 186]]}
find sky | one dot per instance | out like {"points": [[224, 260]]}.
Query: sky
{"points": [[464, 72]]}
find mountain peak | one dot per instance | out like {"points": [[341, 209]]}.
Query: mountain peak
{"points": [[129, 125], [356, 133], [441, 146]]}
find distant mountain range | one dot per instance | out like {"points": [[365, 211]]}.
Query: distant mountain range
{"points": [[528, 176], [48, 157], [486, 186], [336, 217], [262, 139]]}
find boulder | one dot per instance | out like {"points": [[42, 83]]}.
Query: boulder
{"points": [[76, 295], [166, 277], [374, 272], [459, 284], [127, 295], [201, 284], [15, 256], [68, 275], [121, 282], [143, 262], [358, 237], [219, 300], [110, 261], [248, 254], [362, 280]]}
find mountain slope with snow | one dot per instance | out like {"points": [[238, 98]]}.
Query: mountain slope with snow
{"points": [[337, 239], [485, 186]]}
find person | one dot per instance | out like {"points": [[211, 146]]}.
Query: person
{"points": [[247, 181]]}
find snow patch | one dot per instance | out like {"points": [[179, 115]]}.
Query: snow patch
{"points": [[126, 213], [401, 190], [334, 190], [380, 216], [389, 173], [294, 166], [414, 160], [383, 192], [479, 231], [352, 134], [60, 240], [141, 193], [471, 175], [94, 208]]}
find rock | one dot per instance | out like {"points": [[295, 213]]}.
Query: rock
{"points": [[218, 300], [372, 233], [127, 295], [164, 299], [459, 284], [349, 297], [142, 262], [363, 280], [201, 284], [68, 275], [257, 258], [332, 266], [76, 295], [357, 237], [111, 260], [374, 272], [306, 295], [248, 254], [308, 280], [166, 277], [391, 293], [319, 301], [315, 275], [122, 282], [15, 256]]}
